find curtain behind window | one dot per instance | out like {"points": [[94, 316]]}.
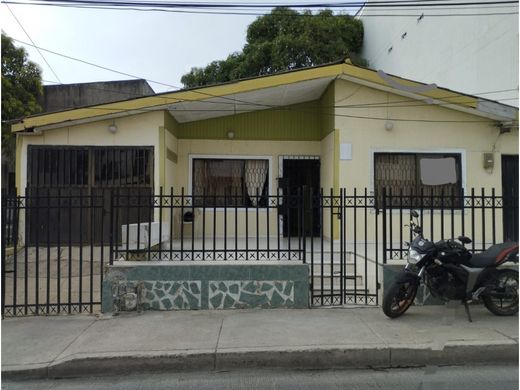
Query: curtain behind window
{"points": [[219, 180], [255, 178]]}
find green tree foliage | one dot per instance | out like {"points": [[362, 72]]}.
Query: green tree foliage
{"points": [[285, 40], [21, 88]]}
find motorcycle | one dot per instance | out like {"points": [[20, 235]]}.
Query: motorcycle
{"points": [[451, 272]]}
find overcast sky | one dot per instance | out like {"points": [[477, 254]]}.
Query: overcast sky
{"points": [[159, 46], [153, 45]]}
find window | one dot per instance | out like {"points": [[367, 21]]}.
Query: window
{"points": [[84, 166], [421, 178], [230, 182]]}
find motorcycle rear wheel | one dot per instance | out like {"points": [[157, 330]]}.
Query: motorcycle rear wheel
{"points": [[399, 298], [503, 299]]}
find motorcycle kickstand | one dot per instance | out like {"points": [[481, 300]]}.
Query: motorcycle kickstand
{"points": [[466, 307]]}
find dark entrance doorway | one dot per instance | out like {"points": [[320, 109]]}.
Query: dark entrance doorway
{"points": [[510, 196], [301, 177]]}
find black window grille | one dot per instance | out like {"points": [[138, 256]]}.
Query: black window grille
{"points": [[57, 166], [418, 180]]}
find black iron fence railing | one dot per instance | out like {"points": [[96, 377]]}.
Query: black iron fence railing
{"points": [[481, 214], [54, 262], [208, 227], [56, 242]]}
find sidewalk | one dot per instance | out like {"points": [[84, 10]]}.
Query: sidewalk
{"points": [[81, 345]]}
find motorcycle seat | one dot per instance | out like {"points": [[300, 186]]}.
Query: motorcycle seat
{"points": [[493, 256]]}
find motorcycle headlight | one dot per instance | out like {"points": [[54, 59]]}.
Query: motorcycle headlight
{"points": [[414, 257]]}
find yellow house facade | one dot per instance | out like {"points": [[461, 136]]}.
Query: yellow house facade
{"points": [[345, 118]]}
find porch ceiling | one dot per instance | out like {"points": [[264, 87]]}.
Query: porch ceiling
{"points": [[260, 99]]}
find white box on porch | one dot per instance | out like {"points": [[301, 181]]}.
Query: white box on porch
{"points": [[148, 235]]}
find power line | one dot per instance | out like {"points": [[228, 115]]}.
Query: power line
{"points": [[233, 101], [136, 77], [242, 5], [28, 36], [236, 11], [145, 110]]}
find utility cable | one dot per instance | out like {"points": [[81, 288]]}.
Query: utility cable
{"points": [[164, 4], [28, 36], [234, 101], [215, 11]]}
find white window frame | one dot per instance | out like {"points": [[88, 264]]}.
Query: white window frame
{"points": [[191, 157]]}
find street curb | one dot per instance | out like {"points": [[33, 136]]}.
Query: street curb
{"points": [[293, 358]]}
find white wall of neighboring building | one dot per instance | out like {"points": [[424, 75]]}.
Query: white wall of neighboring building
{"points": [[472, 54]]}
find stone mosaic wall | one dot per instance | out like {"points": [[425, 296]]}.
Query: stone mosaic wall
{"points": [[197, 286], [167, 295], [240, 294]]}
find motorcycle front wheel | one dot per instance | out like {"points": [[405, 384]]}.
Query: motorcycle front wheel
{"points": [[502, 300], [399, 298]]}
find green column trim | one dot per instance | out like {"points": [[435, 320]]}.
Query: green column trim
{"points": [[18, 164], [336, 179], [162, 156]]}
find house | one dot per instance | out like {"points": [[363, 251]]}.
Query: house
{"points": [[344, 117], [320, 165], [472, 49]]}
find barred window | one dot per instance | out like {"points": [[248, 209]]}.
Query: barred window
{"points": [[230, 182], [418, 179], [89, 166]]}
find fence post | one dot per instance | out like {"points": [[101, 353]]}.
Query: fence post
{"points": [[383, 204], [111, 211], [3, 237]]}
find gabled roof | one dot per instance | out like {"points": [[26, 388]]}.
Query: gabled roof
{"points": [[267, 92]]}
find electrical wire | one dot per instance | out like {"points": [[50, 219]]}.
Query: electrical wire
{"points": [[234, 100], [28, 36], [235, 11], [211, 95], [242, 5], [230, 111]]}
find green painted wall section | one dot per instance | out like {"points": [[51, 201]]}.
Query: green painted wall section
{"points": [[171, 124], [327, 111], [297, 122]]}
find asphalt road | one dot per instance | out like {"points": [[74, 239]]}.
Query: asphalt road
{"points": [[425, 378]]}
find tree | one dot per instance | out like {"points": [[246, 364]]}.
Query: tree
{"points": [[21, 88], [285, 40]]}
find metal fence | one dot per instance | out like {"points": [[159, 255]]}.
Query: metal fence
{"points": [[53, 265], [204, 228], [481, 214], [55, 245]]}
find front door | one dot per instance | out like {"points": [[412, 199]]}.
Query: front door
{"points": [[300, 177], [510, 197]]}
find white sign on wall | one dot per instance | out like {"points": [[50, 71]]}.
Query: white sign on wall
{"points": [[345, 151]]}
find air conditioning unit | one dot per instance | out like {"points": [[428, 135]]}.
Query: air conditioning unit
{"points": [[144, 235]]}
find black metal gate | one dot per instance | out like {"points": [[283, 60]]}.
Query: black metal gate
{"points": [[345, 258]]}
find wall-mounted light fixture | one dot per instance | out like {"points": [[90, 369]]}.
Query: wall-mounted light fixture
{"points": [[389, 125], [112, 128], [231, 134]]}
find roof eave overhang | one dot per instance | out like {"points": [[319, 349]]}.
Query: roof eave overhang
{"points": [[438, 96], [163, 101], [464, 103]]}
